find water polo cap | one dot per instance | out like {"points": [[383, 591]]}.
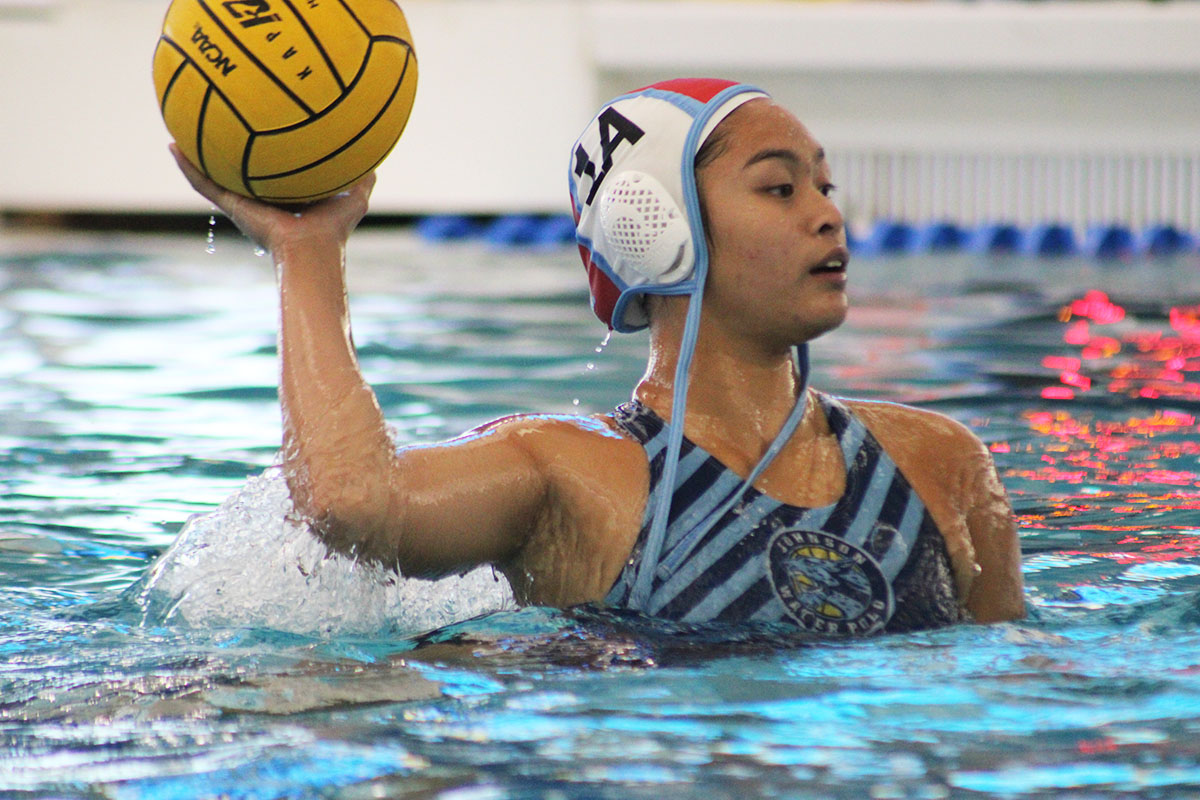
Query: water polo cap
{"points": [[633, 192]]}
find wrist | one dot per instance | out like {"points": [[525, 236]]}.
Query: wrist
{"points": [[311, 253]]}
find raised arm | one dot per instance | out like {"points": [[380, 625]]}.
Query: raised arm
{"points": [[426, 511]]}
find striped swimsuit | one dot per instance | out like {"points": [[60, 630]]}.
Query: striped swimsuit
{"points": [[872, 561]]}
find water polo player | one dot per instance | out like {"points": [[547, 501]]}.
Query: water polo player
{"points": [[726, 489]]}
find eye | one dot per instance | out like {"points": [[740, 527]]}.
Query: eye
{"points": [[828, 189], [782, 190]]}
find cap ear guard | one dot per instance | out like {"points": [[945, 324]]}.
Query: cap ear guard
{"points": [[647, 234]]}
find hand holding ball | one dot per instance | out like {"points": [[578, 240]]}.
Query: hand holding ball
{"points": [[285, 101]]}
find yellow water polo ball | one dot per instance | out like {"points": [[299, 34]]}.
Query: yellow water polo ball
{"points": [[287, 101]]}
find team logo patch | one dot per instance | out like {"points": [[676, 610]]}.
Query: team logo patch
{"points": [[829, 585]]}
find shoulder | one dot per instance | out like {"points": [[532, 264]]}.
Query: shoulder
{"points": [[553, 457], [595, 480], [546, 435], [908, 431], [943, 459], [954, 474], [581, 458]]}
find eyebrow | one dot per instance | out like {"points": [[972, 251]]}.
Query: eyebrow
{"points": [[784, 154]]}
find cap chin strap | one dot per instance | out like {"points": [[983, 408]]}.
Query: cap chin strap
{"points": [[649, 565]]}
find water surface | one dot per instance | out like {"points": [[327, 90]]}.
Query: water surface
{"points": [[137, 381]]}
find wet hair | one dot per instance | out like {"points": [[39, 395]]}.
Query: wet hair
{"points": [[712, 148]]}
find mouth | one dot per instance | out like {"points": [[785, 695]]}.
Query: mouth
{"points": [[834, 263]]}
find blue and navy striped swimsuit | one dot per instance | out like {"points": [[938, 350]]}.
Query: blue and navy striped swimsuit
{"points": [[872, 561]]}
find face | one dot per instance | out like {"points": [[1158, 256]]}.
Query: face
{"points": [[777, 242]]}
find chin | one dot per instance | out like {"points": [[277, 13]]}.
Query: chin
{"points": [[818, 325]]}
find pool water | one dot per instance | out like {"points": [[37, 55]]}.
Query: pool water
{"points": [[137, 379]]}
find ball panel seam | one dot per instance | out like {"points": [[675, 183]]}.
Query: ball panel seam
{"points": [[347, 97], [256, 61]]}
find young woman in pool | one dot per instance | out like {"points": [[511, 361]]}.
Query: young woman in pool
{"points": [[704, 212]]}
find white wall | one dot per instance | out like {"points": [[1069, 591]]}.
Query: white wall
{"points": [[507, 84]]}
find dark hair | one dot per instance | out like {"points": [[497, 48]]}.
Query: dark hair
{"points": [[712, 147]]}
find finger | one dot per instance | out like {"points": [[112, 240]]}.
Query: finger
{"points": [[220, 197], [348, 206], [359, 190], [359, 197], [368, 183], [253, 219]]}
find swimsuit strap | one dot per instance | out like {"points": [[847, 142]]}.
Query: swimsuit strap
{"points": [[651, 564]]}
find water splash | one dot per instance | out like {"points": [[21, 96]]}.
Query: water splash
{"points": [[254, 563]]}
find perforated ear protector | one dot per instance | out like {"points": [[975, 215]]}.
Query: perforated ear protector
{"points": [[646, 230]]}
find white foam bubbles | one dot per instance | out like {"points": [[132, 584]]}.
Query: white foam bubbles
{"points": [[253, 563]]}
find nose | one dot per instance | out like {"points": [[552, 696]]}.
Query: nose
{"points": [[827, 220]]}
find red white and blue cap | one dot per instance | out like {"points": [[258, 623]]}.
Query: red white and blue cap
{"points": [[633, 192]]}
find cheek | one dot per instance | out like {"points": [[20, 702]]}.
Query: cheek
{"points": [[759, 262], [745, 239]]}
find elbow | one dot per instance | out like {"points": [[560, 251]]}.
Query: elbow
{"points": [[1009, 610], [343, 511], [351, 512], [998, 596]]}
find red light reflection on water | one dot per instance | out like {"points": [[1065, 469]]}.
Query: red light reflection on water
{"points": [[1128, 471], [1096, 306], [1146, 550], [1153, 364], [1134, 480], [1121, 453]]}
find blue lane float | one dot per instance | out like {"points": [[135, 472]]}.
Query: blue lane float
{"points": [[937, 237], [1165, 240], [505, 231], [447, 227], [1050, 240], [554, 231], [886, 237], [1110, 241], [996, 237], [513, 230], [882, 238]]}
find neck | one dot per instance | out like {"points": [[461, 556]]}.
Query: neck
{"points": [[739, 394]]}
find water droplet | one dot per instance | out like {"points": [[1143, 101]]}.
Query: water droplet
{"points": [[260, 251], [210, 246], [575, 402], [590, 366]]}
